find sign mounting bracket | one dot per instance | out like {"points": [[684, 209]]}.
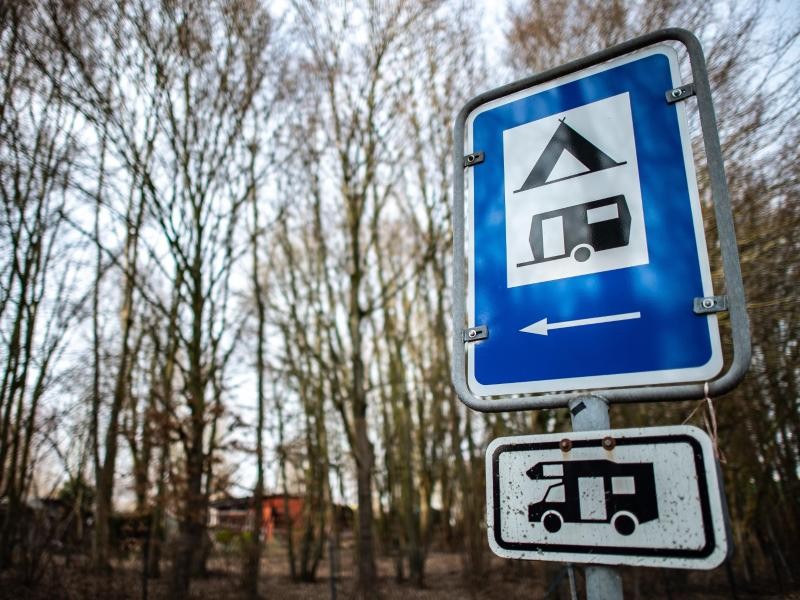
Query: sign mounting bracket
{"points": [[680, 93], [710, 305], [470, 160], [475, 334]]}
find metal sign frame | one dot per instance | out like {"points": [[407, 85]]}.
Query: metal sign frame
{"points": [[736, 306]]}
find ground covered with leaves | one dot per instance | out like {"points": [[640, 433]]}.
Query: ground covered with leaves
{"points": [[445, 580]]}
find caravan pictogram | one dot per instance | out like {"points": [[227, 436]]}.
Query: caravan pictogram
{"points": [[579, 230], [578, 210]]}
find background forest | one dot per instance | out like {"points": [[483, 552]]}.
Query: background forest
{"points": [[225, 253]]}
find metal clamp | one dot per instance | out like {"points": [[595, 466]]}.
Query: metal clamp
{"points": [[680, 93], [470, 160], [474, 334], [710, 304]]}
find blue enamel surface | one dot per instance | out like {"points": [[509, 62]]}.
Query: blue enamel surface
{"points": [[669, 335]]}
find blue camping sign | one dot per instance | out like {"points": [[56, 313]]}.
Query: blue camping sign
{"points": [[586, 246]]}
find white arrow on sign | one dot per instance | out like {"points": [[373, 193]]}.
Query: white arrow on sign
{"points": [[541, 327]]}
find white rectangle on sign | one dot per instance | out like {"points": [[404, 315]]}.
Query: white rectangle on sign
{"points": [[592, 498], [623, 485], [556, 170], [653, 500], [553, 470], [603, 213], [553, 236]]}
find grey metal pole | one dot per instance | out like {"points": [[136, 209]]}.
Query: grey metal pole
{"points": [[590, 413]]}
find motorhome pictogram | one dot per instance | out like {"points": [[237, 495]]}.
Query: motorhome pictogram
{"points": [[594, 491]]}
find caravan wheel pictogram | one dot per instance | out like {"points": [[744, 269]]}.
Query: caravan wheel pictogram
{"points": [[625, 523], [552, 521], [582, 253]]}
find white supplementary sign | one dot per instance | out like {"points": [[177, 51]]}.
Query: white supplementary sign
{"points": [[579, 209], [651, 497]]}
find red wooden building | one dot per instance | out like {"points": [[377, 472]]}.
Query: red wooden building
{"points": [[237, 514]]}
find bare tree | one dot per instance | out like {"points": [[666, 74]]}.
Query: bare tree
{"points": [[198, 72], [357, 92], [38, 299]]}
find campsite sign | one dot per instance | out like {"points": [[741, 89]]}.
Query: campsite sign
{"points": [[585, 242]]}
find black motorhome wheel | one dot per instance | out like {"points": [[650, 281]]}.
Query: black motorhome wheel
{"points": [[552, 521], [624, 524]]}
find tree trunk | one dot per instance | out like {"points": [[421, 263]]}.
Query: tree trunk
{"points": [[251, 570], [105, 477], [282, 466], [192, 524], [365, 553]]}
